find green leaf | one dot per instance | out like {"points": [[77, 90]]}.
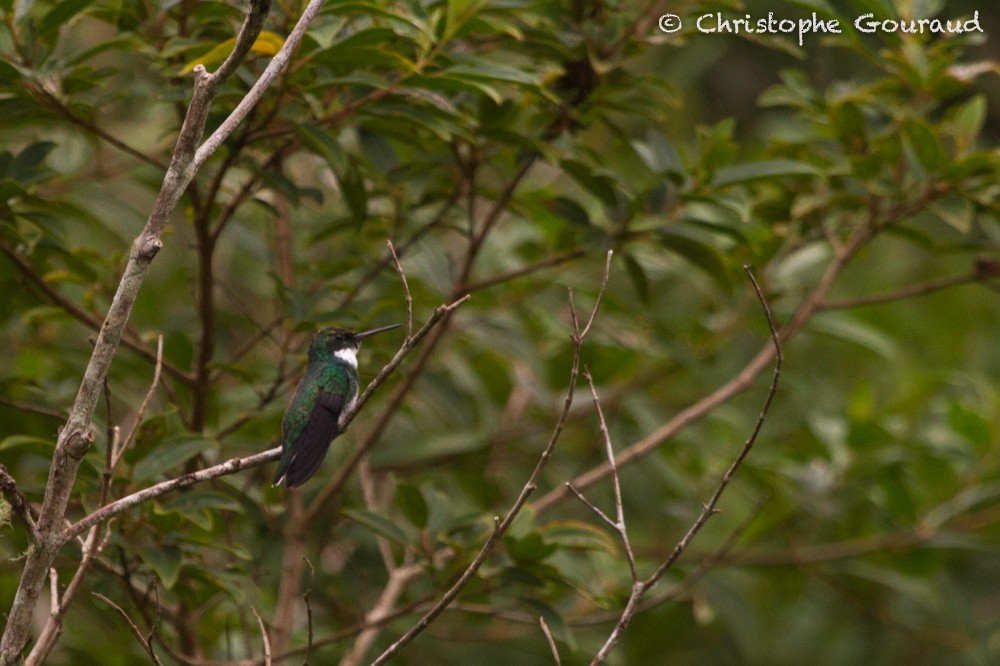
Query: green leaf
{"points": [[488, 70], [529, 549], [413, 504], [925, 144], [956, 211], [638, 277], [598, 185], [698, 253], [28, 168], [968, 123], [378, 152], [199, 506], [9, 73], [553, 620], [169, 454], [970, 425], [35, 444], [745, 173], [366, 49], [458, 12], [60, 15], [452, 84], [352, 186], [412, 24], [165, 561], [850, 329], [324, 145], [570, 211], [378, 524]]}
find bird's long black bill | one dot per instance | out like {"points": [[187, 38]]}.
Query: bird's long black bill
{"points": [[376, 330]]}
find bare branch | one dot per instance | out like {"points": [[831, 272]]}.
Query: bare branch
{"points": [[309, 611], [399, 578], [264, 638], [551, 641], [406, 290], [386, 259], [248, 35], [639, 587], [119, 451], [146, 645], [230, 466], [549, 262], [709, 508], [501, 527], [8, 487], [739, 383], [590, 505], [618, 524], [980, 273]]}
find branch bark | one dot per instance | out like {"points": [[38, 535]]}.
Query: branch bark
{"points": [[76, 435]]}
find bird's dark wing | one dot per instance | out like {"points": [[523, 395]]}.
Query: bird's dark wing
{"points": [[311, 446]]}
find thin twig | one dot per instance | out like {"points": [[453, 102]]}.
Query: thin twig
{"points": [[130, 437], [640, 587], [263, 635], [500, 527], [549, 262], [919, 289], [309, 611], [230, 466], [399, 578], [618, 524], [34, 409], [17, 502], [91, 127], [76, 435], [674, 591], [401, 248], [551, 641], [739, 383], [709, 508], [406, 289], [146, 645], [54, 592]]}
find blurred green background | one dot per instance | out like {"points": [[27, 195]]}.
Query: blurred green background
{"points": [[504, 146]]}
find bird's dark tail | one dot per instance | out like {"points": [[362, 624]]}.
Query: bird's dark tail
{"points": [[302, 466]]}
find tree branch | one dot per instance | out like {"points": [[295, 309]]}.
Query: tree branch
{"points": [[639, 587], [146, 643], [75, 437], [500, 527], [982, 272], [8, 487], [739, 383]]}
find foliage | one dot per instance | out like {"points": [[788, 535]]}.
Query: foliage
{"points": [[504, 146]]}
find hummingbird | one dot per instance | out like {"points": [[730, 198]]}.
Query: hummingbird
{"points": [[323, 397]]}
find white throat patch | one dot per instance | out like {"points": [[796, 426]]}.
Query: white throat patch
{"points": [[348, 356]]}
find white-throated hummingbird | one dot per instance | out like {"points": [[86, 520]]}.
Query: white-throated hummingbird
{"points": [[324, 395]]}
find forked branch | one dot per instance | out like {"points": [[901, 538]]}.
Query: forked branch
{"points": [[640, 587], [500, 527]]}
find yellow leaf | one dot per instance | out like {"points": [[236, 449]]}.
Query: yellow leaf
{"points": [[267, 44]]}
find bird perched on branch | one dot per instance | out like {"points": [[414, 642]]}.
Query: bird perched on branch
{"points": [[323, 397]]}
